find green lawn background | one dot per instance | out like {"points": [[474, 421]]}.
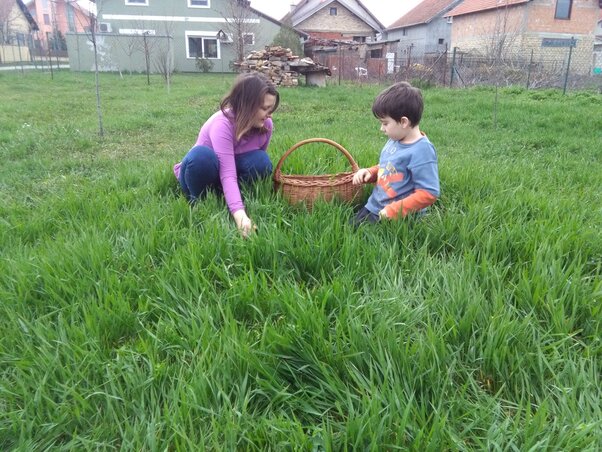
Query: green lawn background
{"points": [[130, 321]]}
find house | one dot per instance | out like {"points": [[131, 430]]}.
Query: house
{"points": [[16, 28], [424, 30], [342, 35], [56, 18], [15, 19], [546, 29], [334, 19], [184, 35]]}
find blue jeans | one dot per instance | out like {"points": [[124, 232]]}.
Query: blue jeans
{"points": [[364, 216], [199, 172]]}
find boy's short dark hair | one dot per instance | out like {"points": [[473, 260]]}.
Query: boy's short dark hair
{"points": [[398, 100]]}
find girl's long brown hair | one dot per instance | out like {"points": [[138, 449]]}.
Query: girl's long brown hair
{"points": [[245, 98]]}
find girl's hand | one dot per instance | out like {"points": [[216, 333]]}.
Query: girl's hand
{"points": [[361, 177], [243, 223], [247, 227]]}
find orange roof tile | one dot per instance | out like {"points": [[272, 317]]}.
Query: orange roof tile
{"points": [[422, 13], [473, 6]]}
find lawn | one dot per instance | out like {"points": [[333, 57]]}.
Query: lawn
{"points": [[130, 321]]}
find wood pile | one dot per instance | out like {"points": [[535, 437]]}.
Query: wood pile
{"points": [[279, 64]]}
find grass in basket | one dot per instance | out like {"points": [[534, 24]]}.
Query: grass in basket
{"points": [[316, 159]]}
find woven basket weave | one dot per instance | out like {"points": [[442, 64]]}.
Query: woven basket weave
{"points": [[307, 189]]}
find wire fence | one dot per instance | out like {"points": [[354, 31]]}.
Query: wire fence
{"points": [[464, 69], [24, 51], [455, 68]]}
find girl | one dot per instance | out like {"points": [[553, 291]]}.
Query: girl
{"points": [[231, 146]]}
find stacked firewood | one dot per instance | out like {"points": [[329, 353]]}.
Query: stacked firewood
{"points": [[278, 63], [273, 62]]}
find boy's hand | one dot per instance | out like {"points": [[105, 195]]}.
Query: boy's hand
{"points": [[383, 214], [362, 176]]}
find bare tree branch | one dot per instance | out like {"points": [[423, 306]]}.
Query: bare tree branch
{"points": [[242, 25], [9, 14]]}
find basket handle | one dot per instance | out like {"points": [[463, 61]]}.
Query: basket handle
{"points": [[354, 165]]}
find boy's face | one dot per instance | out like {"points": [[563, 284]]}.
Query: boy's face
{"points": [[393, 129]]}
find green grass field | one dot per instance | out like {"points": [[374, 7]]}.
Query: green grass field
{"points": [[129, 321]]}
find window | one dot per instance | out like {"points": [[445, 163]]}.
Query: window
{"points": [[198, 3], [333, 11], [46, 19], [441, 41], [376, 53], [563, 9], [201, 46], [70, 17], [404, 32], [137, 2], [248, 39]]}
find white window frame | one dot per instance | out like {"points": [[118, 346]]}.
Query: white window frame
{"points": [[252, 43], [208, 5], [136, 3], [203, 35]]}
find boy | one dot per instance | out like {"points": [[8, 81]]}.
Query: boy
{"points": [[407, 175]]}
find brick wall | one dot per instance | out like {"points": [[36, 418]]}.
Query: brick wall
{"points": [[584, 15], [523, 28]]}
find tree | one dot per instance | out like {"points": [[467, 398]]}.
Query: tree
{"points": [[502, 31], [57, 40], [8, 17], [242, 25], [288, 38], [163, 58], [129, 46], [147, 47], [93, 39]]}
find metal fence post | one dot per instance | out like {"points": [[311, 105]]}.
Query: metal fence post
{"points": [[568, 65], [340, 61], [529, 69], [169, 64], [453, 65]]}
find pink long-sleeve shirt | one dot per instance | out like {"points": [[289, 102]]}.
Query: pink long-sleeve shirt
{"points": [[218, 133]]}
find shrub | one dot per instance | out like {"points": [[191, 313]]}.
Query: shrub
{"points": [[204, 64]]}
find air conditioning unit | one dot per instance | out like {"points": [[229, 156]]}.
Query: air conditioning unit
{"points": [[104, 27]]}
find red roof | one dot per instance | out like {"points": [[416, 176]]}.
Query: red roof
{"points": [[475, 6], [422, 13]]}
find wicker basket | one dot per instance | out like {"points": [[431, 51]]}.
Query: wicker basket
{"points": [[307, 189]]}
